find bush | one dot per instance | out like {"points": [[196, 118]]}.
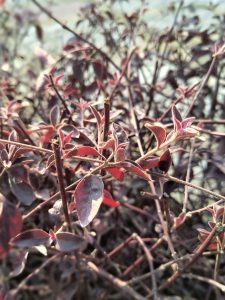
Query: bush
{"points": [[112, 154]]}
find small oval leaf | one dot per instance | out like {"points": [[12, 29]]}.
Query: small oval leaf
{"points": [[31, 238], [89, 196], [66, 242]]}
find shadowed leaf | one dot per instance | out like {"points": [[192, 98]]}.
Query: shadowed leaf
{"points": [[10, 224], [66, 242], [30, 238]]}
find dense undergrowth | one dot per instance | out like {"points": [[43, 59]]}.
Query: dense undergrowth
{"points": [[112, 156]]}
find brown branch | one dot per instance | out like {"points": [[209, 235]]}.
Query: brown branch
{"points": [[120, 285], [59, 168], [78, 36]]}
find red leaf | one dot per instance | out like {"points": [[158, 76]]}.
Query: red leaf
{"points": [[46, 138], [83, 150], [159, 133], [88, 196], [108, 200], [10, 224], [116, 172], [135, 168], [120, 154], [31, 238], [180, 219], [66, 242]]}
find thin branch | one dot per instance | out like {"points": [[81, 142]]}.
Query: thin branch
{"points": [[188, 177], [190, 185], [120, 285], [78, 36], [59, 165], [150, 262], [207, 280]]}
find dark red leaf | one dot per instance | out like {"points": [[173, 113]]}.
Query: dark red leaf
{"points": [[31, 238], [46, 138], [66, 242], [149, 163], [116, 172], [88, 196], [159, 133], [135, 168], [180, 219], [108, 200], [10, 224], [120, 154], [100, 70]]}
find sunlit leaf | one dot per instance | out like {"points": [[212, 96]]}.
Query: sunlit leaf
{"points": [[88, 196]]}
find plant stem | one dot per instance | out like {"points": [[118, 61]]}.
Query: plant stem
{"points": [[59, 165], [78, 36]]}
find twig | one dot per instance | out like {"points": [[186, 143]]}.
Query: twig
{"points": [[35, 272], [207, 280], [35, 148], [68, 188], [58, 163], [190, 185], [204, 82], [59, 96], [193, 259], [150, 262], [122, 73], [120, 285], [188, 177], [78, 36]]}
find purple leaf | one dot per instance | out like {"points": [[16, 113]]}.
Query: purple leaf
{"points": [[66, 242], [22, 191], [31, 238], [89, 196]]}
